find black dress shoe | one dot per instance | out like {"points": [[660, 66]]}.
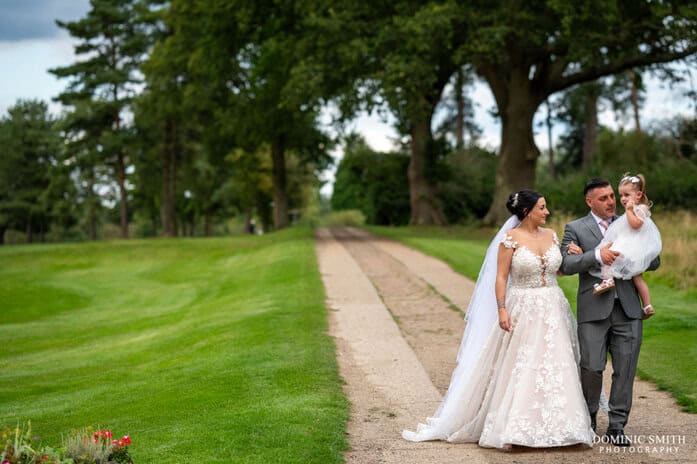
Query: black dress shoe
{"points": [[618, 438], [593, 423]]}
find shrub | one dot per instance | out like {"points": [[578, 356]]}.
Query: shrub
{"points": [[374, 183], [347, 218]]}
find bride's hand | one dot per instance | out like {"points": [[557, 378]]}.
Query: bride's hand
{"points": [[574, 249], [504, 320]]}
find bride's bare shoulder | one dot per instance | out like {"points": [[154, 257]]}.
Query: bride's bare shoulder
{"points": [[550, 234], [514, 234]]}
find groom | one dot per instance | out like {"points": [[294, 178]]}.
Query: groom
{"points": [[611, 321]]}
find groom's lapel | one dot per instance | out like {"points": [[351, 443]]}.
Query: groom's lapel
{"points": [[593, 227]]}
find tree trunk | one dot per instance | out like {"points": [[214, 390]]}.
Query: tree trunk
{"points": [[460, 98], [164, 162], [29, 231], [92, 205], [425, 207], [263, 207], [518, 156], [173, 174], [2, 234], [155, 224], [590, 132], [552, 167], [121, 176], [168, 204], [280, 196], [208, 224], [635, 99]]}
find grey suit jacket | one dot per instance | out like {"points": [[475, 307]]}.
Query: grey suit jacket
{"points": [[585, 233]]}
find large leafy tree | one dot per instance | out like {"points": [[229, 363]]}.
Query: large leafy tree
{"points": [[30, 170], [162, 119], [241, 56], [527, 51], [113, 42], [397, 54]]}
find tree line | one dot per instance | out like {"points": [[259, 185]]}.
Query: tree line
{"points": [[180, 114]]}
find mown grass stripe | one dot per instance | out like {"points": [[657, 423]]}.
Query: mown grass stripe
{"points": [[211, 350]]}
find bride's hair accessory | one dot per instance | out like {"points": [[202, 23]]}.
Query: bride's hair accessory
{"points": [[521, 203]]}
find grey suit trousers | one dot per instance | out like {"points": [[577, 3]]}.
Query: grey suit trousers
{"points": [[621, 336]]}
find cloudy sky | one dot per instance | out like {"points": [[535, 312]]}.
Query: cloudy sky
{"points": [[31, 43]]}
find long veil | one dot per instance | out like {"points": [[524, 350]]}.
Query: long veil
{"points": [[481, 318]]}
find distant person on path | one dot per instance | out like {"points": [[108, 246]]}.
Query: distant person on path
{"points": [[610, 321], [516, 380]]}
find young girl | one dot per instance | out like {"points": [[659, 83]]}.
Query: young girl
{"points": [[637, 239]]}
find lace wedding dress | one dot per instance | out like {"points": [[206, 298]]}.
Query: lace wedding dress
{"points": [[524, 388]]}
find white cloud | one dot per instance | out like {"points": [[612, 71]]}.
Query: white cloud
{"points": [[28, 62]]}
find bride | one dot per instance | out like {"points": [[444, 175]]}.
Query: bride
{"points": [[516, 380]]}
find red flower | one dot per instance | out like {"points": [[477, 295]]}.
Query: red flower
{"points": [[107, 433], [127, 439], [113, 442], [120, 442]]}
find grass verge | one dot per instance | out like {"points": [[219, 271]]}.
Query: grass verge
{"points": [[669, 349]]}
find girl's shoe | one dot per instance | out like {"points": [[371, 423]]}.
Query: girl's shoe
{"points": [[603, 286], [648, 311]]}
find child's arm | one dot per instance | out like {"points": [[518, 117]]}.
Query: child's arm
{"points": [[634, 221]]}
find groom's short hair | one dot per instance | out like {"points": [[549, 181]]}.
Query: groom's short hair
{"points": [[594, 184]]}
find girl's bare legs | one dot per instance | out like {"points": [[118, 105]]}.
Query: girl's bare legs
{"points": [[643, 289]]}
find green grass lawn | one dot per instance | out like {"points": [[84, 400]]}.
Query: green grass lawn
{"points": [[669, 347], [204, 351]]}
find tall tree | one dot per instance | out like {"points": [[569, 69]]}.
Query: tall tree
{"points": [[243, 60], [550, 142], [635, 83], [162, 114], [528, 52], [250, 184], [81, 130], [626, 93], [456, 112], [113, 42], [31, 157], [401, 54]]}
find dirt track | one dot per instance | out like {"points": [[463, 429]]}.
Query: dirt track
{"points": [[397, 318]]}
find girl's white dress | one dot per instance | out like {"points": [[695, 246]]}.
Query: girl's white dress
{"points": [[637, 247]]}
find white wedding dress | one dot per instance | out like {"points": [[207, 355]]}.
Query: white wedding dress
{"points": [[524, 387]]}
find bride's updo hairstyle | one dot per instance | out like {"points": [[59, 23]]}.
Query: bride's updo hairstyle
{"points": [[521, 203]]}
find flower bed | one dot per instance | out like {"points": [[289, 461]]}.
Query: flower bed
{"points": [[84, 446]]}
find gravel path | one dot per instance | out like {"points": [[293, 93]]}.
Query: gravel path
{"points": [[397, 318]]}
